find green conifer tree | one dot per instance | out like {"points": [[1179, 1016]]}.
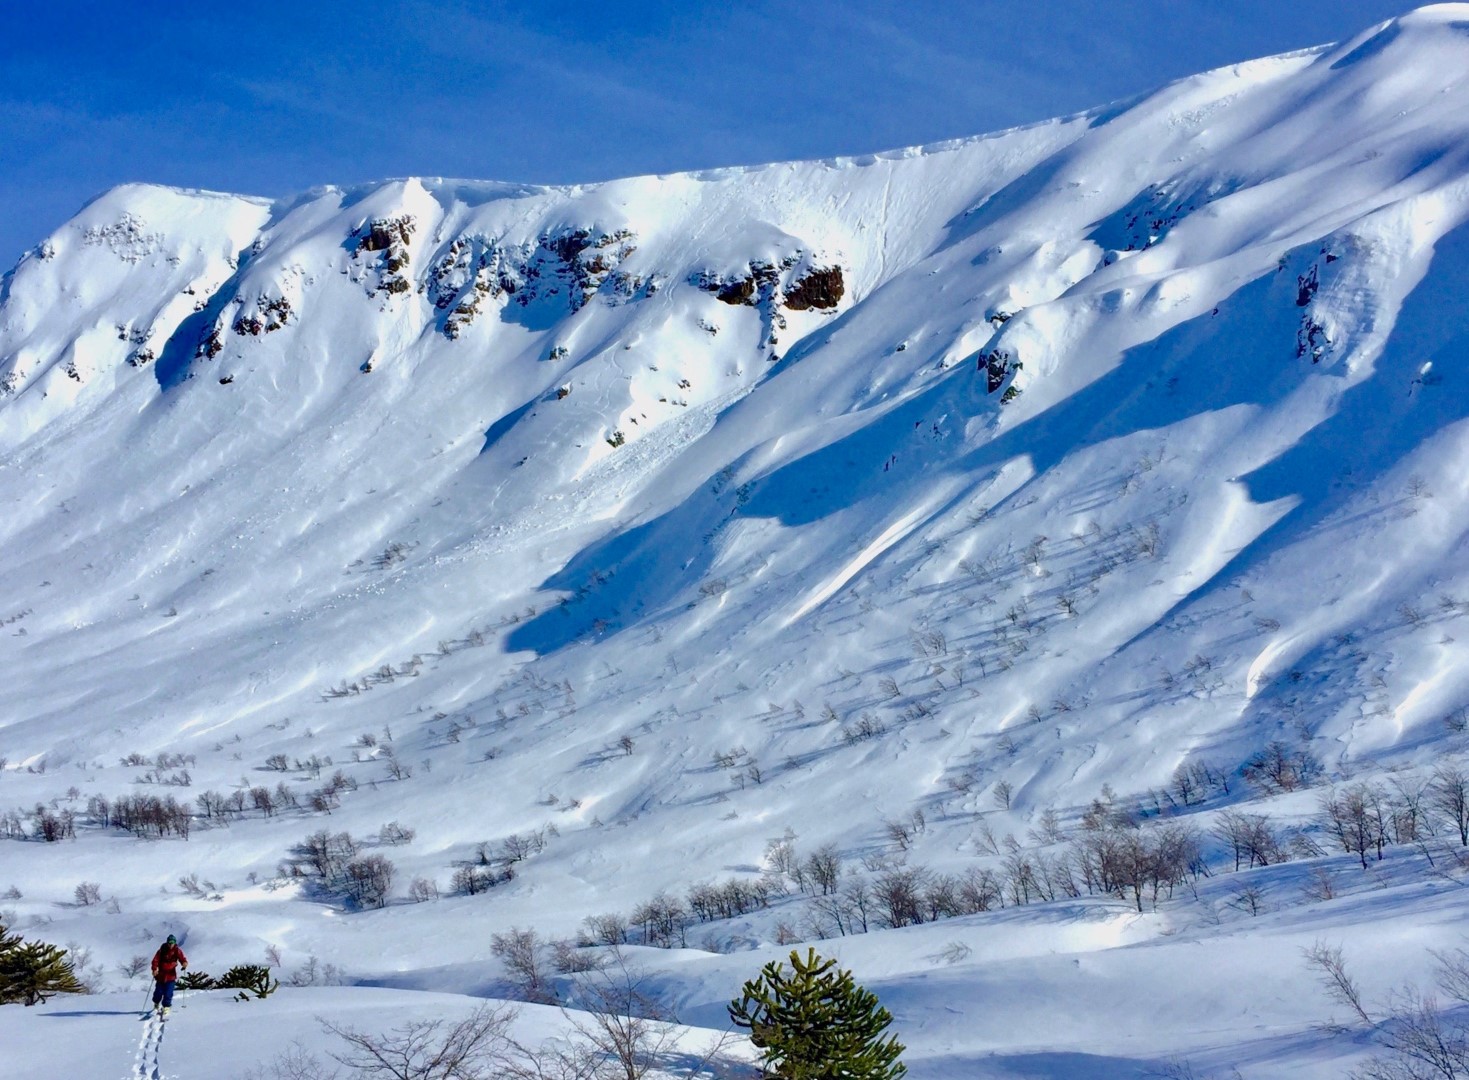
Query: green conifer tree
{"points": [[815, 1023], [34, 971]]}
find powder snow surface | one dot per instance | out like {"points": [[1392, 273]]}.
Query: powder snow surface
{"points": [[515, 482]]}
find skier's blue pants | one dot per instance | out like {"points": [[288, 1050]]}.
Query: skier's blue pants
{"points": [[163, 994]]}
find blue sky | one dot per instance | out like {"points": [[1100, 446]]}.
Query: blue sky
{"points": [[269, 98]]}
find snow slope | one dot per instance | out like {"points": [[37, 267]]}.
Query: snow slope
{"points": [[679, 512]]}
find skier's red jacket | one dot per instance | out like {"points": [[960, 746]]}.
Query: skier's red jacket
{"points": [[166, 962]]}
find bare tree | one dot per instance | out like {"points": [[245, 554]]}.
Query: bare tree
{"points": [[606, 929], [1422, 1042], [1331, 969], [823, 869], [472, 1049], [368, 880], [1281, 767], [1357, 817], [1250, 898], [619, 1030], [88, 893], [1448, 793], [1452, 972], [293, 1063], [520, 951]]}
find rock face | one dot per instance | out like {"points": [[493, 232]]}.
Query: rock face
{"points": [[996, 366], [757, 284], [391, 236], [269, 314], [817, 289], [576, 264], [579, 263], [820, 289], [383, 233]]}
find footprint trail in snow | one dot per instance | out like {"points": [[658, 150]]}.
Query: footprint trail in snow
{"points": [[146, 1062]]}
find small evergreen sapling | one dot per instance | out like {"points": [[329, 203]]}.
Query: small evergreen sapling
{"points": [[815, 1023], [248, 979], [31, 972]]}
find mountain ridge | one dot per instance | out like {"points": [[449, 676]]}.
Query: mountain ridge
{"points": [[1060, 462]]}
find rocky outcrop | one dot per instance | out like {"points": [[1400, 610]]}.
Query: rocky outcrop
{"points": [[757, 284], [580, 261], [390, 237], [127, 238], [820, 289], [996, 365], [268, 315], [381, 234], [576, 264]]}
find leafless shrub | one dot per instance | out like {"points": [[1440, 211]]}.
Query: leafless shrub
{"points": [[1048, 828], [728, 899], [620, 1031], [51, 825], [1003, 791], [472, 880], [520, 951], [394, 835], [567, 957], [368, 880], [326, 855], [88, 893], [1281, 767], [664, 922], [1448, 793], [1330, 967], [732, 758], [293, 1063], [521, 846], [823, 869], [606, 929], [1358, 817], [1250, 837], [1250, 898], [472, 1049], [898, 895], [900, 833], [1319, 885], [134, 967], [781, 858], [423, 889], [1422, 1043], [866, 727], [955, 952]]}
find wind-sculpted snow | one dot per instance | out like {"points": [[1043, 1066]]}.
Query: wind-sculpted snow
{"points": [[976, 479]]}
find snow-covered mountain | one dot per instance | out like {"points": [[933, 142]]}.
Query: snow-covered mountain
{"points": [[900, 502]]}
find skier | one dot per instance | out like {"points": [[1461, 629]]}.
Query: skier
{"points": [[167, 962]]}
